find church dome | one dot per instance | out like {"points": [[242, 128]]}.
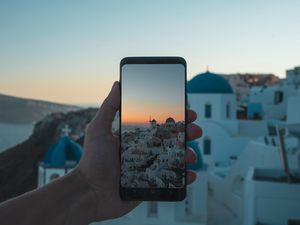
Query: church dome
{"points": [[170, 120], [65, 149], [209, 83]]}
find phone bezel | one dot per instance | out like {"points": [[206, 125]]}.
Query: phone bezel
{"points": [[153, 194]]}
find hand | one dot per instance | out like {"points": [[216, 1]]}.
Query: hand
{"points": [[100, 165]]}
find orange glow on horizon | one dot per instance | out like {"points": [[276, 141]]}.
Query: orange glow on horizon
{"points": [[144, 120], [140, 114]]}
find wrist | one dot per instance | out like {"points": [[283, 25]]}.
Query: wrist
{"points": [[83, 205]]}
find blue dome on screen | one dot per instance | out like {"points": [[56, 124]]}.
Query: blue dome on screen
{"points": [[209, 83], [61, 152]]}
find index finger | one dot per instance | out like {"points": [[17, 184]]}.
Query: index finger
{"points": [[191, 115]]}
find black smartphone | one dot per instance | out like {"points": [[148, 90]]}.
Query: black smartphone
{"points": [[153, 128]]}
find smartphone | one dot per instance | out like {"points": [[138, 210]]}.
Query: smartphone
{"points": [[153, 128]]}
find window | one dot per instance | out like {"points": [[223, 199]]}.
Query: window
{"points": [[278, 97], [228, 110], [187, 208], [208, 110], [188, 203], [152, 209], [207, 146]]}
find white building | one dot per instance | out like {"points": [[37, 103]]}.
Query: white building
{"points": [[270, 103], [212, 97], [232, 147], [293, 76], [240, 87], [270, 199], [153, 124]]}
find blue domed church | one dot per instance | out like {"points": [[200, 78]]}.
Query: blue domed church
{"points": [[211, 96], [209, 83], [214, 100], [59, 159]]}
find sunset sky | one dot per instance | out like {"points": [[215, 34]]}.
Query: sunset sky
{"points": [[69, 51], [152, 90]]}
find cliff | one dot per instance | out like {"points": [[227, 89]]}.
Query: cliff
{"points": [[18, 165]]}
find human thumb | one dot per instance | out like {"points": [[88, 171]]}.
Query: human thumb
{"points": [[106, 113]]}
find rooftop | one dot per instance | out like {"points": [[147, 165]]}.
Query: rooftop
{"points": [[209, 83]]}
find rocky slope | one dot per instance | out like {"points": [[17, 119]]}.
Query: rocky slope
{"points": [[22, 110], [18, 165]]}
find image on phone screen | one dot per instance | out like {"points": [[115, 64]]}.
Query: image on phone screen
{"points": [[153, 126]]}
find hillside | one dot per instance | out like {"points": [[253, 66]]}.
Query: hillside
{"points": [[21, 110], [18, 165], [253, 79]]}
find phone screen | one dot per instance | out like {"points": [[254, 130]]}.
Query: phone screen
{"points": [[152, 125]]}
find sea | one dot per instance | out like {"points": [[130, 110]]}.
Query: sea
{"points": [[133, 127], [13, 134]]}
